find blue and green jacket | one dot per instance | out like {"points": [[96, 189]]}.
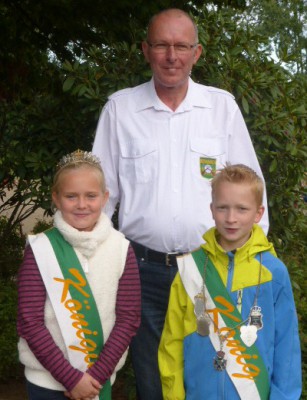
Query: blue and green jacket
{"points": [[186, 358]]}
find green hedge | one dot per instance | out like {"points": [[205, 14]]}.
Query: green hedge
{"points": [[8, 334]]}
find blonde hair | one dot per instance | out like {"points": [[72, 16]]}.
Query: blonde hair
{"points": [[77, 160], [241, 174]]}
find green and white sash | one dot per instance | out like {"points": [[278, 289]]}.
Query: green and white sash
{"points": [[245, 366], [72, 300]]}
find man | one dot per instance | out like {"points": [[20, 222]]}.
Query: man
{"points": [[160, 144]]}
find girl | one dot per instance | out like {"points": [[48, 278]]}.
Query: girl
{"points": [[79, 291]]}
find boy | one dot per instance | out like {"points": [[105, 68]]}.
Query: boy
{"points": [[231, 328]]}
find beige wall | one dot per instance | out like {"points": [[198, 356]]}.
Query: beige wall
{"points": [[29, 223]]}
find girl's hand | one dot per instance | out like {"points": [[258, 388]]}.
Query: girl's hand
{"points": [[87, 388]]}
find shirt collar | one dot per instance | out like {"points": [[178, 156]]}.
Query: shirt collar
{"points": [[197, 96]]}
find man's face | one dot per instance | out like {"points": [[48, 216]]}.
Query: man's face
{"points": [[171, 68]]}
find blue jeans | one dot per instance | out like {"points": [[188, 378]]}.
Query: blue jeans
{"points": [[156, 280], [40, 393]]}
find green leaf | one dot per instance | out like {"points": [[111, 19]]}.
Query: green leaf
{"points": [[245, 105], [273, 165], [68, 83]]}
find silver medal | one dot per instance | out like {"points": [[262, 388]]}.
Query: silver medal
{"points": [[202, 319], [203, 324], [199, 305], [219, 361], [248, 334], [255, 317]]}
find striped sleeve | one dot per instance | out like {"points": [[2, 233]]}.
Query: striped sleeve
{"points": [[128, 316], [31, 325]]}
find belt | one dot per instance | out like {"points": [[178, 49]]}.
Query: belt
{"points": [[149, 255]]}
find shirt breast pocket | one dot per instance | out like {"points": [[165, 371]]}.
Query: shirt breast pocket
{"points": [[138, 161], [207, 155]]}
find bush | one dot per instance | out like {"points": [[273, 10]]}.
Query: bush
{"points": [[296, 263], [9, 365], [41, 226], [11, 250]]}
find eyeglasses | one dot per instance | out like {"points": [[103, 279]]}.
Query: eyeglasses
{"points": [[178, 47]]}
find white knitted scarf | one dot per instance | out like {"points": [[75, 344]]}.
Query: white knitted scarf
{"points": [[85, 242]]}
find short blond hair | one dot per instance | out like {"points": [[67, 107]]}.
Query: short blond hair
{"points": [[240, 174]]}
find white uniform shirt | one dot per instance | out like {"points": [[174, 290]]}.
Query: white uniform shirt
{"points": [[152, 158]]}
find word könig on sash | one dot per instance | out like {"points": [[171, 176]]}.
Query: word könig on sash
{"points": [[248, 370], [75, 307]]}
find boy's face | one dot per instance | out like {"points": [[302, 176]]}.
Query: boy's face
{"points": [[234, 210]]}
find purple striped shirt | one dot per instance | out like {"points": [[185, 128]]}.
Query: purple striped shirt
{"points": [[31, 326]]}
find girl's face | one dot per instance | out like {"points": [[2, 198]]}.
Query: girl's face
{"points": [[80, 197]]}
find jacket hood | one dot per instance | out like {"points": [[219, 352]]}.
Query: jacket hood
{"points": [[246, 266], [257, 243]]}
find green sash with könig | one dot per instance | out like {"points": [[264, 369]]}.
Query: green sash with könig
{"points": [[245, 366], [72, 300]]}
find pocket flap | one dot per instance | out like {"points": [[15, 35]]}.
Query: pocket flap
{"points": [[136, 148], [210, 147]]}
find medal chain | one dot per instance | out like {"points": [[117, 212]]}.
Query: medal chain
{"points": [[220, 363], [254, 302]]}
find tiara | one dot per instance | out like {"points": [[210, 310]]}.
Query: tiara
{"points": [[78, 156]]}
